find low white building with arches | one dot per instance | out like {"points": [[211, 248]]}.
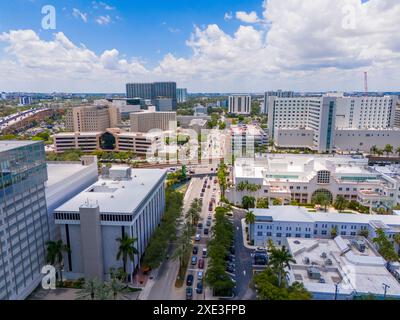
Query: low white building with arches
{"points": [[299, 178]]}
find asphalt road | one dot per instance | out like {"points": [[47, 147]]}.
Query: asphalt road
{"points": [[244, 265]]}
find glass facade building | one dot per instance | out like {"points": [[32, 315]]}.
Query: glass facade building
{"points": [[24, 226], [154, 92]]}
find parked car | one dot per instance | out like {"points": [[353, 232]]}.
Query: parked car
{"points": [[230, 269], [195, 250], [189, 280], [199, 288], [189, 293], [208, 223], [194, 260], [232, 250], [201, 263], [197, 237], [204, 252], [200, 275], [206, 231]]}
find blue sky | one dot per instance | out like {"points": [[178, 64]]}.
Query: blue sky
{"points": [[204, 45], [140, 28]]}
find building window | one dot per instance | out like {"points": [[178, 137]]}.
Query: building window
{"points": [[323, 176]]}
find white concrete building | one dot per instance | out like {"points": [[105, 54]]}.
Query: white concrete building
{"points": [[319, 123], [239, 104], [244, 139], [343, 268], [123, 201], [279, 223], [279, 94], [66, 180], [362, 140], [309, 115], [365, 112], [298, 178]]}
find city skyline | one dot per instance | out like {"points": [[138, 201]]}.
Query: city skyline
{"points": [[246, 46]]}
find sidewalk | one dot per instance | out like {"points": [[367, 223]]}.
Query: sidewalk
{"points": [[152, 278], [243, 222]]}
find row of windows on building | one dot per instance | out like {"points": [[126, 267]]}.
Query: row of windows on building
{"points": [[104, 217]]}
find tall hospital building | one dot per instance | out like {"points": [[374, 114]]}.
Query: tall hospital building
{"points": [[333, 122], [92, 118]]}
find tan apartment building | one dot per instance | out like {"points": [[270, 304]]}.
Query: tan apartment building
{"points": [[148, 120], [92, 118]]}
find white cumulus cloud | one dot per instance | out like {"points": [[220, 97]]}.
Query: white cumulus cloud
{"points": [[300, 45], [250, 17]]}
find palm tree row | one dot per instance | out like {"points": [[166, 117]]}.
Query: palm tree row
{"points": [[245, 185], [388, 149]]}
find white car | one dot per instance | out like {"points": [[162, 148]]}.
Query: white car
{"points": [[197, 237], [200, 275]]}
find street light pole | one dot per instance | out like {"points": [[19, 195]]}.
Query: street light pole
{"points": [[336, 289], [385, 287]]}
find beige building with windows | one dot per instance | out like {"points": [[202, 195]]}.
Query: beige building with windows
{"points": [[92, 118], [112, 139], [148, 120]]}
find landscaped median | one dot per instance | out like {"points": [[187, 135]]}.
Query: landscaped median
{"points": [[218, 248]]}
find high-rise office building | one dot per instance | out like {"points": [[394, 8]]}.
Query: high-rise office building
{"points": [[239, 104], [181, 95], [154, 91], [92, 118], [24, 225]]}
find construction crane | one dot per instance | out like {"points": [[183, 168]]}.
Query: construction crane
{"points": [[366, 84]]}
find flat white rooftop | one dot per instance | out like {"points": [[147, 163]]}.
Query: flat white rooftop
{"points": [[340, 261], [300, 214], [60, 171], [115, 195], [12, 144]]}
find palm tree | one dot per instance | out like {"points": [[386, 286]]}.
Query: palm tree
{"points": [[89, 290], [379, 152], [248, 202], [117, 289], [388, 149], [374, 150], [55, 252], [334, 232], [279, 259], [364, 233], [322, 199], [126, 250], [250, 217], [340, 203], [398, 151]]}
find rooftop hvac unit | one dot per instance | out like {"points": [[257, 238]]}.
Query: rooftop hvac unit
{"points": [[313, 273], [323, 255], [328, 262], [306, 260]]}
